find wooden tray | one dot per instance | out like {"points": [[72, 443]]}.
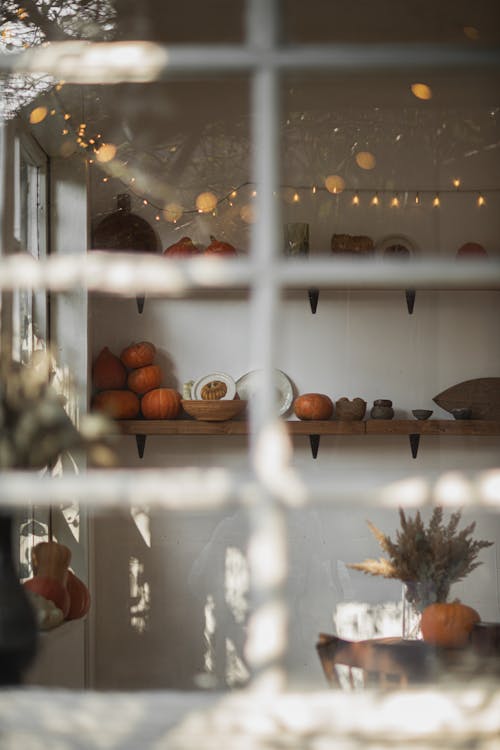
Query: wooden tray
{"points": [[482, 395]]}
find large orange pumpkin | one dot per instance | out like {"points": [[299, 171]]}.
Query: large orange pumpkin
{"points": [[79, 597], [138, 355], [161, 403], [117, 404], [448, 624], [313, 406], [144, 379], [108, 372]]}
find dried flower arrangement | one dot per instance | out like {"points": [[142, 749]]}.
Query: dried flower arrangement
{"points": [[427, 559]]}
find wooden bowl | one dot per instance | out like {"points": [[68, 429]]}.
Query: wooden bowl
{"points": [[214, 411]]}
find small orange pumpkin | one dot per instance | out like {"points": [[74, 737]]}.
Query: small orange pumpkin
{"points": [[138, 355], [184, 248], [448, 624], [313, 406], [117, 404], [108, 371], [144, 379], [161, 403], [79, 597], [51, 559], [219, 248]]}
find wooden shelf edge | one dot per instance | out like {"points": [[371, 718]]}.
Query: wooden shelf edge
{"points": [[450, 427]]}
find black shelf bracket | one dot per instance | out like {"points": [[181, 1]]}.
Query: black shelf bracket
{"points": [[313, 295], [141, 444], [410, 300], [414, 443], [314, 441], [140, 299]]}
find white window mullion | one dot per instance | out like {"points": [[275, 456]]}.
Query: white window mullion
{"points": [[267, 633]]}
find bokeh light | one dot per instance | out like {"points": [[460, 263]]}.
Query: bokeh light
{"points": [[334, 183]]}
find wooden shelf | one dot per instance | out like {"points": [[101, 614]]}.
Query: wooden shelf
{"points": [[473, 427], [313, 429]]}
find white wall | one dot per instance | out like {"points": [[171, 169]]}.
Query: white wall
{"points": [[358, 344]]}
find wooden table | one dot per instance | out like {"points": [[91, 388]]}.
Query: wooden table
{"points": [[397, 662]]}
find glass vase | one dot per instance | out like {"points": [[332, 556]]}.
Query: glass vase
{"points": [[410, 620]]}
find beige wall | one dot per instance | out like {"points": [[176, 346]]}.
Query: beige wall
{"points": [[358, 344]]}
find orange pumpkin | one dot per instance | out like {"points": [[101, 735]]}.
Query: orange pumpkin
{"points": [[184, 248], [313, 406], [108, 371], [219, 248], [138, 355], [50, 589], [79, 597], [161, 403], [144, 379], [471, 250], [117, 404], [448, 624], [51, 559]]}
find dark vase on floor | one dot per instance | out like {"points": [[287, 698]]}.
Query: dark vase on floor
{"points": [[18, 628]]}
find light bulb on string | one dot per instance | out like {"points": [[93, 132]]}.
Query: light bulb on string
{"points": [[233, 194], [436, 201], [481, 201], [456, 183], [375, 200], [395, 201], [296, 198], [417, 199], [355, 199], [314, 190], [206, 202]]}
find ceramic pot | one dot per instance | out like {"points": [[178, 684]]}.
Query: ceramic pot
{"points": [[382, 409], [350, 410]]}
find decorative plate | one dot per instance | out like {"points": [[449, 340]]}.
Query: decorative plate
{"points": [[249, 383], [396, 247], [216, 386]]}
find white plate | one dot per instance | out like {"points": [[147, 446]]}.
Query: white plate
{"points": [[247, 385], [221, 376], [383, 245]]}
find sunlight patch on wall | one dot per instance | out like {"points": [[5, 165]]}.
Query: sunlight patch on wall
{"points": [[142, 521], [140, 599], [236, 583], [236, 672], [359, 620]]}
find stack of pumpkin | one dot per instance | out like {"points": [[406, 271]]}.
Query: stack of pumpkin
{"points": [[57, 593], [131, 383]]}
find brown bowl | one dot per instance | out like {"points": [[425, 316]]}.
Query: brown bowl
{"points": [[214, 411]]}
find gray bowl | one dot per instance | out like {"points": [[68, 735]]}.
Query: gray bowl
{"points": [[463, 413], [421, 413]]}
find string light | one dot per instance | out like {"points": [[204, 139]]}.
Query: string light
{"points": [[481, 201], [417, 199], [375, 200], [436, 202], [296, 198], [355, 199], [395, 201], [456, 183], [314, 189]]}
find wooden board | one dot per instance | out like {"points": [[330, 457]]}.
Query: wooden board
{"points": [[482, 395]]}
